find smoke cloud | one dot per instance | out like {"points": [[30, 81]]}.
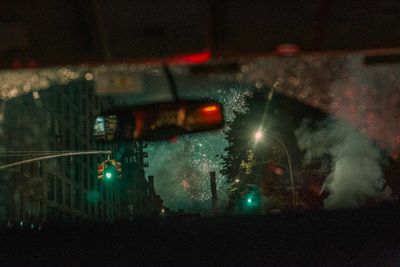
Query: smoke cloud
{"points": [[356, 174], [182, 172]]}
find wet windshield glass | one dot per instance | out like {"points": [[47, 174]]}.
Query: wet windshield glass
{"points": [[301, 134]]}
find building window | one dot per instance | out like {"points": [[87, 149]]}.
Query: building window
{"points": [[110, 196], [51, 214], [96, 102], [76, 172], [85, 203], [77, 199], [40, 169], [68, 195], [76, 122], [76, 142], [68, 172], [104, 194], [109, 213], [57, 128], [100, 216], [84, 106], [91, 179], [50, 187], [67, 217], [67, 139], [68, 115], [60, 162], [92, 209], [59, 188], [84, 126], [76, 94], [33, 170], [48, 120], [59, 215], [85, 180]]}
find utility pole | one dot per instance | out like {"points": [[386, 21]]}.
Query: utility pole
{"points": [[258, 135], [292, 188], [68, 154], [213, 184]]}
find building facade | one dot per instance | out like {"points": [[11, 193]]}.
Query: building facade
{"points": [[138, 195], [65, 189]]}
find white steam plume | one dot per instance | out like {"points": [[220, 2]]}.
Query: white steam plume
{"points": [[356, 174]]}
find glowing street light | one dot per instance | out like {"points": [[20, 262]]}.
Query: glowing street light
{"points": [[258, 135]]}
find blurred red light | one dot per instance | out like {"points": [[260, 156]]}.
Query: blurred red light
{"points": [[278, 171], [17, 64], [287, 49], [195, 58], [173, 139]]}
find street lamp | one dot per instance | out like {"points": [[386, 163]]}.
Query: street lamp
{"points": [[257, 136]]}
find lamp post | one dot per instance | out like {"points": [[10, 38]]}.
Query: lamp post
{"points": [[257, 136]]}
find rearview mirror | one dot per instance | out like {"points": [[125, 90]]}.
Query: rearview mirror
{"points": [[160, 121]]}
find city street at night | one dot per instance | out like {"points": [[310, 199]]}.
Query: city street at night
{"points": [[200, 133]]}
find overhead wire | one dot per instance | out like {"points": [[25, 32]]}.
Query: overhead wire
{"points": [[39, 153]]}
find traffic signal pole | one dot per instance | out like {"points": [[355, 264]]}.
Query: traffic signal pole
{"points": [[69, 154], [213, 184]]}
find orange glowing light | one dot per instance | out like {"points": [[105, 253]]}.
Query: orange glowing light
{"points": [[209, 109], [210, 114]]}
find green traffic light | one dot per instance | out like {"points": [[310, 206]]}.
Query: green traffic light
{"points": [[110, 172], [251, 201]]}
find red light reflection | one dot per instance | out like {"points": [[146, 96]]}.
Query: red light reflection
{"points": [[195, 58]]}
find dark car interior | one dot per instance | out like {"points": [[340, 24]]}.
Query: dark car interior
{"points": [[202, 39]]}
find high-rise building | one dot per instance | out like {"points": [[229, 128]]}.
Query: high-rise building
{"points": [[138, 195], [66, 188]]}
